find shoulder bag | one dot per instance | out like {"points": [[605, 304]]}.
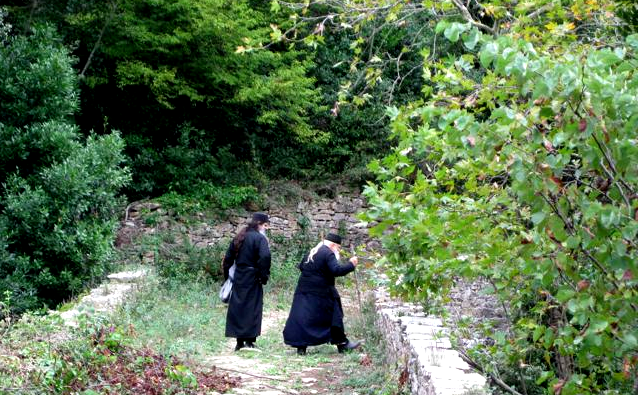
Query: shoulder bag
{"points": [[227, 287]]}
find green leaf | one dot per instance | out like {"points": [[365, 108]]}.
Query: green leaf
{"points": [[630, 341], [565, 294], [544, 376], [488, 54], [392, 112], [572, 242], [598, 324], [454, 30], [609, 217], [538, 217], [274, 6], [547, 112], [472, 38], [632, 41], [441, 26], [538, 332]]}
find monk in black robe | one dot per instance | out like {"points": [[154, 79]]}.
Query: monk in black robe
{"points": [[316, 315], [250, 253]]}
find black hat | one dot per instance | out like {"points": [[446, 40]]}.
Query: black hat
{"points": [[261, 217], [334, 238]]}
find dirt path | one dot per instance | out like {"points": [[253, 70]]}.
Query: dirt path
{"points": [[276, 369]]}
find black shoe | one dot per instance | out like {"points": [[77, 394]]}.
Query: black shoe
{"points": [[240, 345], [301, 350], [347, 346]]}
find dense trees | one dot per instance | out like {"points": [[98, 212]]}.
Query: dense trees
{"points": [[514, 168], [57, 200], [194, 103], [195, 106]]}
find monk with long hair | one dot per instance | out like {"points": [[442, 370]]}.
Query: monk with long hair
{"points": [[250, 253]]}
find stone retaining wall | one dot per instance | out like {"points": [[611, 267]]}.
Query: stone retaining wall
{"points": [[316, 217], [421, 343]]}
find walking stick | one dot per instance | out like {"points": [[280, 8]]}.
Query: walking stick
{"points": [[356, 283]]}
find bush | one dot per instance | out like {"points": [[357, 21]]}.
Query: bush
{"points": [[58, 200], [180, 261], [207, 197], [184, 166]]}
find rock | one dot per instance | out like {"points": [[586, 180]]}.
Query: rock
{"points": [[128, 277]]}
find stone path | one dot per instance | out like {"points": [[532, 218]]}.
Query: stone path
{"points": [[274, 370], [106, 297], [296, 374], [434, 368]]}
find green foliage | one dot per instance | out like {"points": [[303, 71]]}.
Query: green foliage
{"points": [[377, 373], [188, 163], [529, 186], [286, 255], [176, 317], [514, 168], [207, 197], [58, 199], [227, 198], [628, 11], [177, 63], [178, 260], [195, 103], [38, 80]]}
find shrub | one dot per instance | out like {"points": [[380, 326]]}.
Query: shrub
{"points": [[59, 194]]}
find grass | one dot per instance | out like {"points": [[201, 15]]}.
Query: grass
{"points": [[176, 318], [187, 319]]}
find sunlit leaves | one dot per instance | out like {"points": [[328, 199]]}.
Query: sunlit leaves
{"points": [[524, 175]]}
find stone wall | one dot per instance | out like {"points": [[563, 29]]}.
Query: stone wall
{"points": [[317, 217], [420, 342]]}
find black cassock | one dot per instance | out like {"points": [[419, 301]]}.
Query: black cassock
{"points": [[316, 315], [245, 307]]}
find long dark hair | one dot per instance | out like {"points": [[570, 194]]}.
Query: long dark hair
{"points": [[239, 238]]}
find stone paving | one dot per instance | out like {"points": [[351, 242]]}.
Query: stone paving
{"points": [[421, 341], [106, 297]]}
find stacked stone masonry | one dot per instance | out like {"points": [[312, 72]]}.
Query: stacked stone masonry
{"points": [[316, 217], [421, 343]]}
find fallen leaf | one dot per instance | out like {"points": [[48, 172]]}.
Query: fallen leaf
{"points": [[365, 360]]}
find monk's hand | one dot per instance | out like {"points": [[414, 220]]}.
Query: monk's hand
{"points": [[354, 260]]}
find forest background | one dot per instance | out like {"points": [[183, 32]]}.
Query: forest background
{"points": [[493, 139]]}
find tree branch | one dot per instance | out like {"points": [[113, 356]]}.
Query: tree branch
{"points": [[468, 17], [99, 40], [605, 151], [491, 375], [540, 11]]}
